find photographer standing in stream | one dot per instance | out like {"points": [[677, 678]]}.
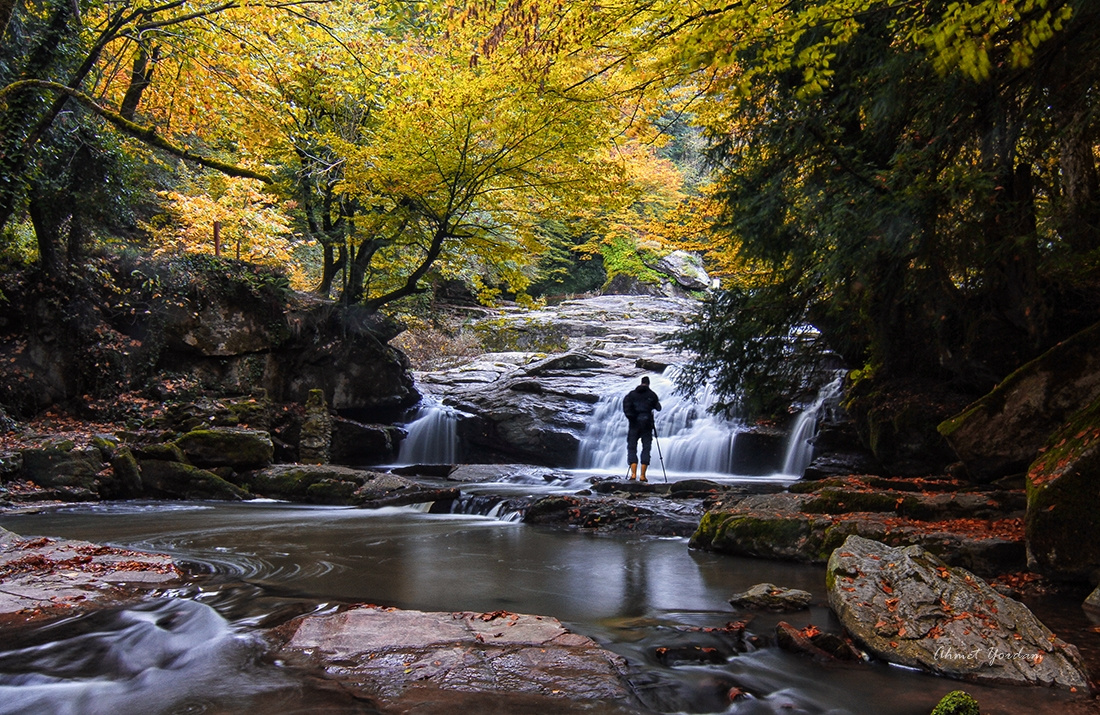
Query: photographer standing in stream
{"points": [[638, 406]]}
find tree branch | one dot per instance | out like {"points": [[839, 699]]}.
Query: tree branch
{"points": [[147, 135]]}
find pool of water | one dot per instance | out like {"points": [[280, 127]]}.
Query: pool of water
{"points": [[261, 563]]}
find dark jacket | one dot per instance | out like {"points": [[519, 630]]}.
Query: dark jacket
{"points": [[639, 403]]}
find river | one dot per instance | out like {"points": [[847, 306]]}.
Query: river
{"points": [[199, 649]]}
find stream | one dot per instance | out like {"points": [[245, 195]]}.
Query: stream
{"points": [[199, 649]]}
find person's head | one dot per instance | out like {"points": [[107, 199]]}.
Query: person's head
{"points": [[645, 380]]}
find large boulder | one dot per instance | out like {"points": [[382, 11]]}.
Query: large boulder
{"points": [[1063, 501], [176, 480], [62, 465], [460, 662], [239, 449], [1002, 433], [907, 607]]}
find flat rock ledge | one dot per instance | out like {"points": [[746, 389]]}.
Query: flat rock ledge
{"points": [[436, 662], [907, 607], [42, 577]]}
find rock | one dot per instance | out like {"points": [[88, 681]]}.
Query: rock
{"points": [[1002, 432], [1093, 601], [176, 480], [240, 449], [381, 489], [355, 442], [815, 643], [1063, 501], [63, 466], [833, 464], [330, 484], [315, 436], [769, 597], [907, 607], [686, 269], [467, 660], [513, 473], [808, 526], [11, 465], [957, 702], [609, 515], [311, 484], [127, 476], [43, 577]]}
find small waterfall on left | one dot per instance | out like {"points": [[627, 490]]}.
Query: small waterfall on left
{"points": [[432, 435]]}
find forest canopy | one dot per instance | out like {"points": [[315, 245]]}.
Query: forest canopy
{"points": [[914, 182]]}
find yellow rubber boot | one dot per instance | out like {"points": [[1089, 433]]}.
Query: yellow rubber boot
{"points": [[644, 467], [634, 472]]}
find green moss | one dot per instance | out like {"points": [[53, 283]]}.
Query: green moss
{"points": [[843, 501], [957, 702]]}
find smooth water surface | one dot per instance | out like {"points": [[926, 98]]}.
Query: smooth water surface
{"points": [[199, 649]]}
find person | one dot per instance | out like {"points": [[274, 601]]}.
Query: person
{"points": [[638, 406]]}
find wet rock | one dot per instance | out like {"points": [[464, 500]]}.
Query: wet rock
{"points": [[813, 642], [44, 577], [769, 597], [176, 480], [463, 659], [1002, 432], [673, 656], [1063, 501], [381, 489], [906, 606], [240, 449], [611, 515], [515, 473]]}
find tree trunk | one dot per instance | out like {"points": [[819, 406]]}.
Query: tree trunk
{"points": [[140, 78]]}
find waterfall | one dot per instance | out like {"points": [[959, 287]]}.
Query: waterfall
{"points": [[800, 448], [689, 438], [432, 436]]}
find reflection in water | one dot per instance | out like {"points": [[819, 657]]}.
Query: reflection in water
{"points": [[198, 653]]}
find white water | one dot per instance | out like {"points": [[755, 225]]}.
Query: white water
{"points": [[432, 435], [800, 448], [690, 440]]}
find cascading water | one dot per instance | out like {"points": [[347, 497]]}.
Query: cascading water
{"points": [[689, 437], [432, 435], [800, 448]]}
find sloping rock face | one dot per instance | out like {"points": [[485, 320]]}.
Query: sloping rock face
{"points": [[1063, 501], [463, 662], [1002, 433], [908, 607], [520, 405]]}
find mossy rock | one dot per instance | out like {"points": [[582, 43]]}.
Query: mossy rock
{"points": [[957, 702], [313, 484], [62, 467], [1063, 500], [521, 335], [1002, 432], [787, 536], [240, 449], [177, 480], [126, 482], [162, 451]]}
